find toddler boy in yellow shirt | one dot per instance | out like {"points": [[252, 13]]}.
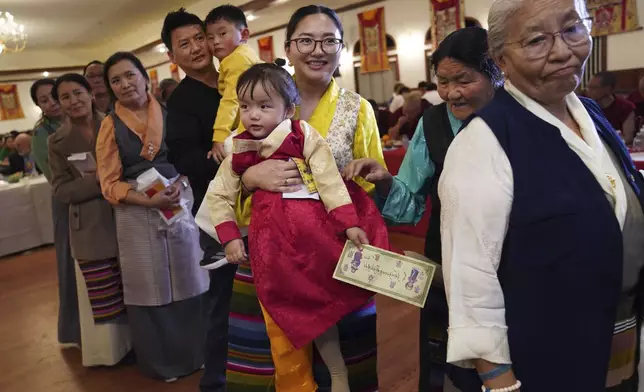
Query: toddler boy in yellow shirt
{"points": [[227, 32]]}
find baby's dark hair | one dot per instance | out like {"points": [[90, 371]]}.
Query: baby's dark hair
{"points": [[273, 78], [229, 13]]}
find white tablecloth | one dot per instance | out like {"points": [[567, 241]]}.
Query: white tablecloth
{"points": [[25, 215]]}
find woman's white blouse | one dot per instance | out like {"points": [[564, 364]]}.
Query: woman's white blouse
{"points": [[476, 190]]}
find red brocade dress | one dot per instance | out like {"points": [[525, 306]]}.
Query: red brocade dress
{"points": [[295, 244]]}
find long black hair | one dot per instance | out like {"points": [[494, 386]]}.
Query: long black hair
{"points": [[469, 46], [303, 12], [70, 77], [116, 58]]}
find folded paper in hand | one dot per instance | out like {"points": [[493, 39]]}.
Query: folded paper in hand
{"points": [[152, 182]]}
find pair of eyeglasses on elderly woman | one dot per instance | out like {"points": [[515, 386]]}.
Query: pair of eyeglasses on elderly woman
{"points": [[308, 45], [538, 45]]}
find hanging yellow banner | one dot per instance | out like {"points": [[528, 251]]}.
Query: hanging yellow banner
{"points": [[373, 40], [10, 108], [447, 16], [613, 16]]}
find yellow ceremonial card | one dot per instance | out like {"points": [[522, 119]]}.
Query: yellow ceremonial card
{"points": [[307, 176], [400, 277]]}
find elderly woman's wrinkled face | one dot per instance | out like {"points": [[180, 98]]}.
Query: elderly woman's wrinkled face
{"points": [[464, 89], [546, 50], [128, 83]]}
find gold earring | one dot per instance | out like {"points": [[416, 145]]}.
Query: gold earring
{"points": [[290, 64]]}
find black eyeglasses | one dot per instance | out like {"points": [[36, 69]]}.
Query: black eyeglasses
{"points": [[308, 45], [538, 45]]}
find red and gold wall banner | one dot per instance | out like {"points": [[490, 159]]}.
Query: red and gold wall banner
{"points": [[174, 72], [373, 39], [447, 17], [10, 108], [154, 81], [266, 51], [613, 16]]}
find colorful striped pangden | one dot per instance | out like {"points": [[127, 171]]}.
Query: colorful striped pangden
{"points": [[104, 287], [621, 371], [250, 366]]}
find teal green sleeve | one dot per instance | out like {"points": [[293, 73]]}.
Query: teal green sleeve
{"points": [[407, 197], [40, 151]]}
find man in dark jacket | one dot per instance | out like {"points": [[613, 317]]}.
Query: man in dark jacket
{"points": [[192, 109]]}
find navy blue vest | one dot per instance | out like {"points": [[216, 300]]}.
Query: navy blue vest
{"points": [[561, 266], [438, 136]]}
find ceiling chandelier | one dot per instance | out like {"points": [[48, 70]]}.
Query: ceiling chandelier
{"points": [[12, 34]]}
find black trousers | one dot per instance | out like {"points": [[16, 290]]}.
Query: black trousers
{"points": [[434, 321], [219, 295]]}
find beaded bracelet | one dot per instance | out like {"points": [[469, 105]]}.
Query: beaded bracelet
{"points": [[513, 388]]}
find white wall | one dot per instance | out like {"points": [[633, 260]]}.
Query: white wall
{"points": [[31, 111], [623, 51]]}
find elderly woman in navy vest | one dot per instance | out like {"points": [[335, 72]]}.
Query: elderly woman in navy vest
{"points": [[542, 221], [163, 285], [467, 78]]}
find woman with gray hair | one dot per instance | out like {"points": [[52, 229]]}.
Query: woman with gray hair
{"points": [[542, 219]]}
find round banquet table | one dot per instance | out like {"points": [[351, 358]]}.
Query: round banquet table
{"points": [[394, 159]]}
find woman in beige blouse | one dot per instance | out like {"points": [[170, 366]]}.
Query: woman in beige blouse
{"points": [[105, 337]]}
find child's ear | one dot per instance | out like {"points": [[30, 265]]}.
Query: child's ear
{"points": [[245, 34], [290, 113]]}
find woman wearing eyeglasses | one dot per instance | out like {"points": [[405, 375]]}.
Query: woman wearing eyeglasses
{"points": [[347, 122], [542, 219]]}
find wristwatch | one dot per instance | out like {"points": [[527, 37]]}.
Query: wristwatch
{"points": [[184, 182]]}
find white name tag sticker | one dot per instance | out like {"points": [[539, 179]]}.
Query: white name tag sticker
{"points": [[302, 193], [81, 156], [83, 162]]}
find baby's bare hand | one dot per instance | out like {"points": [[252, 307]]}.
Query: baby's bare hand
{"points": [[235, 252], [358, 237]]}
